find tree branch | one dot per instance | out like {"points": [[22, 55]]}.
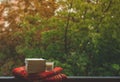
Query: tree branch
{"points": [[66, 29], [104, 11]]}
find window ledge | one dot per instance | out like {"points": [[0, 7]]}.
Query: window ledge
{"points": [[70, 79]]}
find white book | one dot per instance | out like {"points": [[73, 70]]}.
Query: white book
{"points": [[35, 65]]}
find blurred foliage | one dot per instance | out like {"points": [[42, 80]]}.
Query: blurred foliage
{"points": [[82, 36]]}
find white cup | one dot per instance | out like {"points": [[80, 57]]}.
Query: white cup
{"points": [[49, 66]]}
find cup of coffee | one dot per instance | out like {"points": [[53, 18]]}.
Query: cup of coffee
{"points": [[49, 66]]}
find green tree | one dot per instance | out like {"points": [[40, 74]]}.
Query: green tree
{"points": [[82, 36]]}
